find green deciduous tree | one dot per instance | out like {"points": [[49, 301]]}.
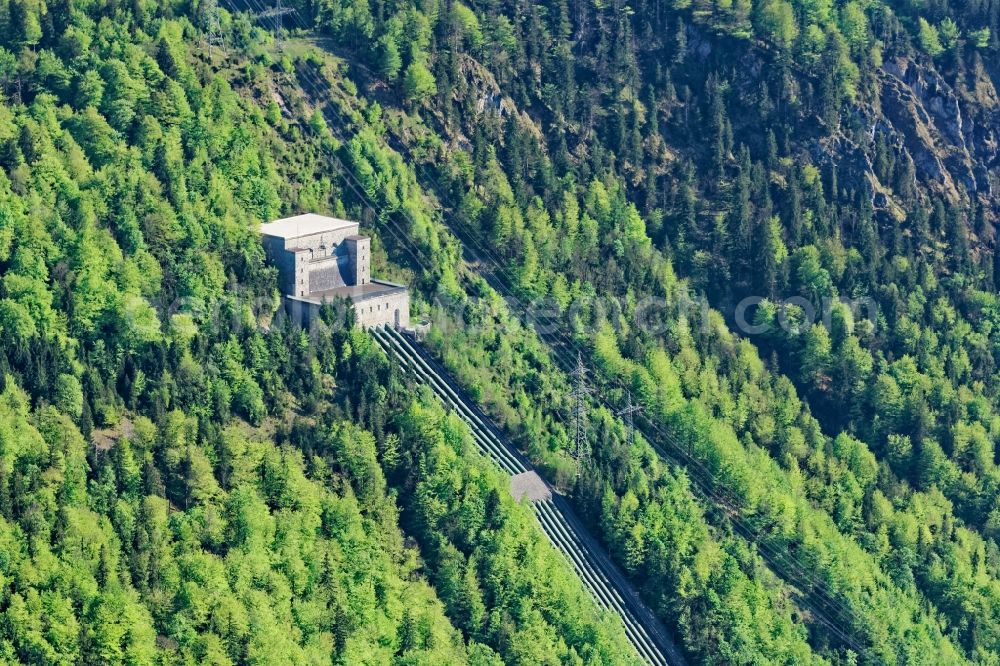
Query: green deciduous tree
{"points": [[930, 41], [418, 83]]}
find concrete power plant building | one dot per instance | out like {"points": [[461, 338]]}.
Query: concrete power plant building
{"points": [[323, 258]]}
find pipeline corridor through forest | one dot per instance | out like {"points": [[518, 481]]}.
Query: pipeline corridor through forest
{"points": [[557, 518]]}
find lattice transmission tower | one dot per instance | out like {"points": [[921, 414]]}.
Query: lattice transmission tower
{"points": [[627, 414], [581, 449], [276, 12], [211, 23]]}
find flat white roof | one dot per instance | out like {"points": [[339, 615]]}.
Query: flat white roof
{"points": [[304, 225]]}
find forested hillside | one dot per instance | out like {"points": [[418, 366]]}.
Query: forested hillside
{"points": [[721, 152], [186, 477]]}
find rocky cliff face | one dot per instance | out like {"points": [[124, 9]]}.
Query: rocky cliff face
{"points": [[948, 127], [951, 134]]}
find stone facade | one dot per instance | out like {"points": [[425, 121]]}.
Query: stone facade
{"points": [[328, 273], [323, 258], [359, 258], [389, 305], [310, 253], [389, 308]]}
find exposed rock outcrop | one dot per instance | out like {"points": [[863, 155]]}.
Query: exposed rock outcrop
{"points": [[928, 114], [951, 135]]}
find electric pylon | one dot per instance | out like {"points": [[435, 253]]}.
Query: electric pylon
{"points": [[213, 28], [579, 395], [276, 13], [627, 413]]}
